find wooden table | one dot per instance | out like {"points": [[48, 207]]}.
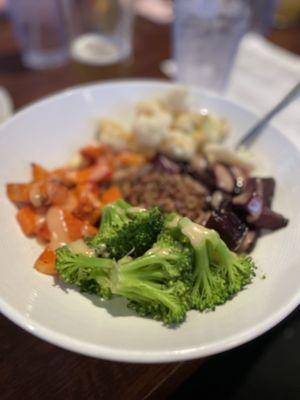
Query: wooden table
{"points": [[31, 369]]}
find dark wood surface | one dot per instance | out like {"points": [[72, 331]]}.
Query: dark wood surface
{"points": [[31, 369]]}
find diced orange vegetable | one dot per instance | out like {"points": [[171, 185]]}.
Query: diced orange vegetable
{"points": [[87, 211], [62, 175], [46, 262], [129, 158], [38, 193], [89, 230], [27, 220], [89, 204], [92, 153], [77, 228], [57, 193], [85, 190], [110, 195], [43, 232], [71, 201], [48, 193], [18, 192], [38, 172], [74, 226], [99, 172]]}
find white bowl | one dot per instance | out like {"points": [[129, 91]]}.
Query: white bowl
{"points": [[49, 132]]}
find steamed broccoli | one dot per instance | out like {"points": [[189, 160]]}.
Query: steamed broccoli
{"points": [[236, 269], [125, 229], [156, 284], [91, 274], [180, 265], [218, 272]]}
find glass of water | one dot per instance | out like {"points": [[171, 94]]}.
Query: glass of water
{"points": [[206, 36], [101, 37], [40, 29]]}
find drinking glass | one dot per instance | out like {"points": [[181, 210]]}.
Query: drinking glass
{"points": [[40, 30], [101, 37], [206, 36]]}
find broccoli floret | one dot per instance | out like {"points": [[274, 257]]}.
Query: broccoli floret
{"points": [[167, 243], [91, 274], [236, 269], [156, 284], [170, 305], [126, 230], [218, 272]]}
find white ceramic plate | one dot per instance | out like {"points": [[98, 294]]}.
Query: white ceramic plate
{"points": [[49, 132]]}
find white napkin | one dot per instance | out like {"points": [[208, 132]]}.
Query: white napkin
{"points": [[262, 75]]}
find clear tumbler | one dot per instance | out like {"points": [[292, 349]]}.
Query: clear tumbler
{"points": [[41, 32], [205, 39]]}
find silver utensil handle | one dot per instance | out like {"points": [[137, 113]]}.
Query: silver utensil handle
{"points": [[247, 140]]}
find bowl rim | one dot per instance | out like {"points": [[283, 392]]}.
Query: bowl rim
{"points": [[139, 356]]}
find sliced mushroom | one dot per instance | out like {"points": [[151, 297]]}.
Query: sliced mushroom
{"points": [[219, 200], [224, 180], [241, 178], [166, 164]]}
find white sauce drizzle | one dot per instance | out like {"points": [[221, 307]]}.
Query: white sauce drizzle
{"points": [[80, 247], [196, 233]]}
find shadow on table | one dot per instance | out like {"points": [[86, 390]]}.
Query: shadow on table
{"points": [[266, 368]]}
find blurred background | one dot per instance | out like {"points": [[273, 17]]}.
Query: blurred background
{"points": [[75, 41], [247, 50]]}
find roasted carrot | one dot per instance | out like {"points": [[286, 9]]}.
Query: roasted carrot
{"points": [[38, 172], [87, 211], [77, 228], [92, 153], [110, 195], [46, 262], [57, 193], [62, 175], [18, 192], [43, 232], [27, 220], [99, 172], [87, 190]]}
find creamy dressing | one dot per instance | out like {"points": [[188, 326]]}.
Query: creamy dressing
{"points": [[35, 195], [80, 247], [158, 250], [58, 228], [136, 209], [196, 233]]}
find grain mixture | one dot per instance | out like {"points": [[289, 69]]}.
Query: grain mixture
{"points": [[172, 192]]}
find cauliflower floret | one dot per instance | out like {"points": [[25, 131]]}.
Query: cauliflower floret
{"points": [[148, 108], [176, 100], [179, 145], [218, 153], [113, 134], [214, 128], [150, 130], [188, 122]]}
